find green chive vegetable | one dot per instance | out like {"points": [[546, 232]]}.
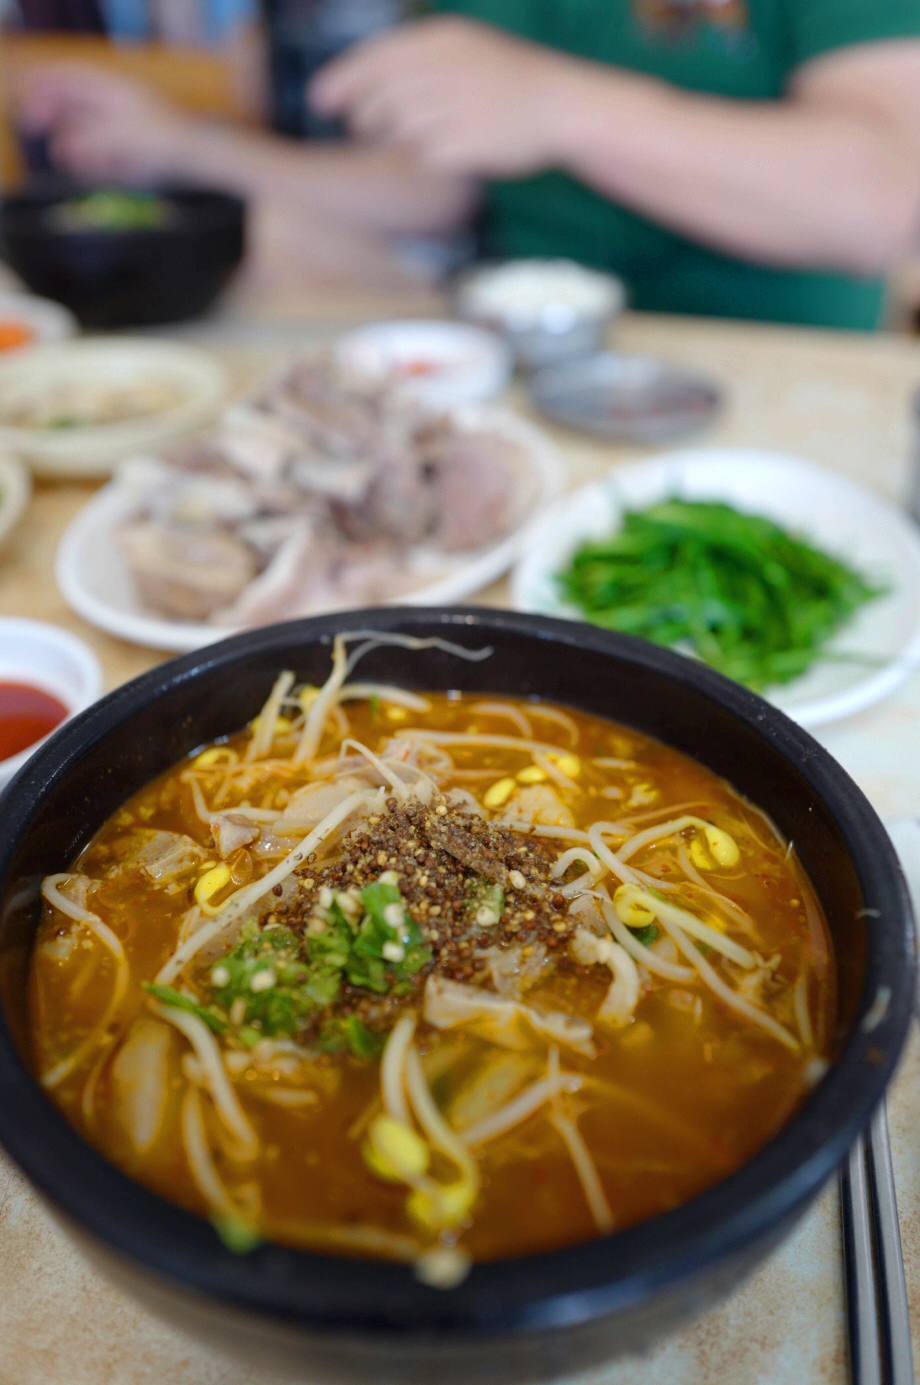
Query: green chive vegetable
{"points": [[368, 964], [283, 980], [746, 597], [169, 996], [112, 209], [337, 1035], [296, 989], [237, 1235], [487, 894]]}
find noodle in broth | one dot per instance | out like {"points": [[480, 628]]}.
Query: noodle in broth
{"points": [[436, 978]]}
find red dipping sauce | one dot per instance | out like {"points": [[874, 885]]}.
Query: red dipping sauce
{"points": [[26, 714]]}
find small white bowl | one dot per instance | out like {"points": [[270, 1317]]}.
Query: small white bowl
{"points": [[53, 660], [439, 363], [48, 321], [199, 382], [549, 310]]}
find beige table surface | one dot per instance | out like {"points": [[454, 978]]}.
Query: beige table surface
{"points": [[841, 400]]}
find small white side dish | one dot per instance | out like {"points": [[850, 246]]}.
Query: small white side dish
{"points": [[549, 310], [195, 381], [48, 321], [437, 362], [830, 511], [53, 660], [523, 290]]}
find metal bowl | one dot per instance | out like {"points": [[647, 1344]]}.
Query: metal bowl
{"points": [[546, 328], [625, 398], [536, 1316]]}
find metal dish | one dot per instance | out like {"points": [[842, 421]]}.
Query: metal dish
{"points": [[629, 398], [536, 1316], [542, 327]]}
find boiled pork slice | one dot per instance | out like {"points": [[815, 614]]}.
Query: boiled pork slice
{"points": [[186, 574], [310, 395], [339, 479], [477, 486], [258, 446], [164, 857], [266, 533], [198, 501], [400, 503], [231, 831], [308, 806], [364, 574], [202, 454], [298, 567]]}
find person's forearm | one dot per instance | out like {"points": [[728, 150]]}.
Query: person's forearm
{"points": [[780, 182], [371, 188]]}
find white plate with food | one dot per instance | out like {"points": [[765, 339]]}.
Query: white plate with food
{"points": [[440, 363], [77, 408], [308, 497], [27, 320], [868, 657]]}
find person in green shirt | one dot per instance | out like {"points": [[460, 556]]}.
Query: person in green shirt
{"points": [[755, 159], [743, 158]]}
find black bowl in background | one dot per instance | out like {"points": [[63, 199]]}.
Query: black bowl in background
{"points": [[532, 1317], [130, 278]]}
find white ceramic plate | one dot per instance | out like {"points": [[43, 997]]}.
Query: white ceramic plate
{"points": [[440, 363], [836, 514], [199, 381], [96, 584], [48, 321]]}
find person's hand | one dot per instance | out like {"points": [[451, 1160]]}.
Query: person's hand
{"points": [[100, 126], [463, 97]]}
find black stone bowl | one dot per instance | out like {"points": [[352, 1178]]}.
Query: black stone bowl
{"points": [[323, 1316], [130, 278]]}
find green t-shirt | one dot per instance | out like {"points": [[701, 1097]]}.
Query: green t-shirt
{"points": [[743, 49]]}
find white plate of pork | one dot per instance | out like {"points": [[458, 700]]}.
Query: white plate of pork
{"points": [[315, 493]]}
